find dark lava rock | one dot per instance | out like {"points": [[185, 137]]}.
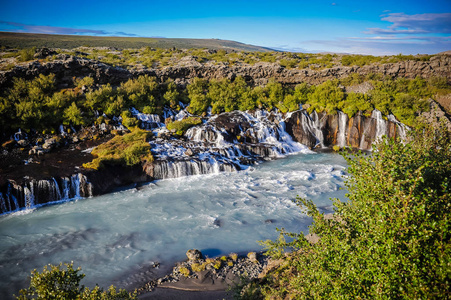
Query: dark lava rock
{"points": [[44, 52]]}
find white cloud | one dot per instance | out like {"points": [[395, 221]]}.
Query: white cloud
{"points": [[20, 27], [414, 24]]}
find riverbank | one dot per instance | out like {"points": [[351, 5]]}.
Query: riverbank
{"points": [[204, 277]]}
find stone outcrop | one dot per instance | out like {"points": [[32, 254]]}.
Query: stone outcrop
{"points": [[437, 114], [65, 67], [114, 176], [260, 73]]}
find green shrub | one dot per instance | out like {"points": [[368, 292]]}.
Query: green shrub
{"points": [[27, 54], [56, 282], [87, 81], [128, 120], [129, 149], [179, 127], [391, 240]]}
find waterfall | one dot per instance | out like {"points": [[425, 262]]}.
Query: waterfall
{"points": [[401, 129], [180, 168], [29, 197], [381, 125], [317, 128], [148, 121], [342, 122], [36, 193], [226, 142]]}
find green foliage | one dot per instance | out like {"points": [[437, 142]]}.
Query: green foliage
{"points": [[128, 120], [362, 60], [25, 104], [180, 127], [354, 103], [197, 93], [326, 97], [359, 60], [36, 104], [140, 92], [185, 271], [56, 282], [27, 54], [391, 240], [73, 115], [85, 81], [438, 82], [128, 150]]}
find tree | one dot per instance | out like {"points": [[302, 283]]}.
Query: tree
{"points": [[326, 96], [391, 240], [73, 115], [197, 91], [55, 282]]}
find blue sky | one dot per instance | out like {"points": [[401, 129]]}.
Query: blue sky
{"points": [[366, 27]]}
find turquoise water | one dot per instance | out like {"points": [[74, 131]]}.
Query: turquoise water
{"points": [[116, 238]]}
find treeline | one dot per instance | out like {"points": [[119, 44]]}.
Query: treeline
{"points": [[38, 105]]}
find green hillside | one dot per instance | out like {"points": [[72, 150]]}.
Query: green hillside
{"points": [[27, 40]]}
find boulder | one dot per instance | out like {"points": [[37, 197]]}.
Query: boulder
{"points": [[189, 152], [49, 144], [43, 53], [23, 143], [193, 254]]}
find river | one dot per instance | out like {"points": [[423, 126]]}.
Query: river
{"points": [[117, 238]]}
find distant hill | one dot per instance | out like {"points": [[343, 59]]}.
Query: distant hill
{"points": [[28, 40]]}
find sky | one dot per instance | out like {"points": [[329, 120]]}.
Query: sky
{"points": [[378, 27]]}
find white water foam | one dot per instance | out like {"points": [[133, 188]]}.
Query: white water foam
{"points": [[113, 235]]}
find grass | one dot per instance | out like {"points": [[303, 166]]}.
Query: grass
{"points": [[128, 150]]}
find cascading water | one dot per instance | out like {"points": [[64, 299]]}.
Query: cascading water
{"points": [[381, 125], [148, 121], [36, 193], [215, 147], [401, 129], [342, 122], [316, 127]]}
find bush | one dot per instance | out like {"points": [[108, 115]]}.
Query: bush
{"points": [[55, 282], [391, 240], [27, 54], [129, 149], [179, 127]]}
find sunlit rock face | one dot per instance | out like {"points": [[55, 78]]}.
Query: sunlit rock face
{"points": [[323, 130]]}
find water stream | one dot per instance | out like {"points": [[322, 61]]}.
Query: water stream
{"points": [[116, 238]]}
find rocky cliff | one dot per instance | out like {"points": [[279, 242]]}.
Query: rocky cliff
{"points": [[65, 67]]}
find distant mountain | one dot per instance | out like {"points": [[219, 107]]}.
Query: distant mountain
{"points": [[27, 40]]}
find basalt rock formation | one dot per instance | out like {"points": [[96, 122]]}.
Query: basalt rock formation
{"points": [[65, 67], [321, 129]]}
